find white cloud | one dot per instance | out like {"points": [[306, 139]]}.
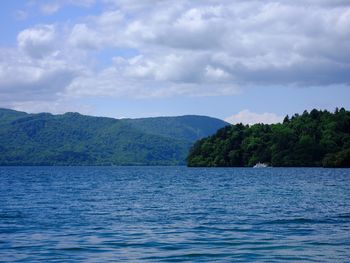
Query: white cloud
{"points": [[248, 42], [248, 117], [20, 15], [162, 48], [142, 80], [51, 7], [98, 32], [216, 74], [23, 78], [82, 37], [37, 42]]}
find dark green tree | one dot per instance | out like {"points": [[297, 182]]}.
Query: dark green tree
{"points": [[315, 138]]}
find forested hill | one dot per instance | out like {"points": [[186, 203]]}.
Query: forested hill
{"points": [[318, 138], [75, 139]]}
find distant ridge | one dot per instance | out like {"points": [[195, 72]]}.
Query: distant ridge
{"points": [[75, 139]]}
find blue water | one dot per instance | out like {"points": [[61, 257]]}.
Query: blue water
{"points": [[174, 214]]}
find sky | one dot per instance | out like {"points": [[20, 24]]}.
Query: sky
{"points": [[238, 60]]}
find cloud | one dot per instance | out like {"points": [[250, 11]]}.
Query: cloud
{"points": [[82, 37], [97, 32], [51, 7], [23, 78], [251, 43], [138, 79], [248, 117], [162, 48], [37, 42], [20, 15]]}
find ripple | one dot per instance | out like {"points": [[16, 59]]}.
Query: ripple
{"points": [[344, 215], [174, 214], [296, 221], [11, 215]]}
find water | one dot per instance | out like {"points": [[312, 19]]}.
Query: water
{"points": [[102, 214]]}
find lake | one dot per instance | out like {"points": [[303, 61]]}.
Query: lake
{"points": [[178, 214]]}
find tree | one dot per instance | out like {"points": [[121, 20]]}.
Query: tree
{"points": [[318, 138]]}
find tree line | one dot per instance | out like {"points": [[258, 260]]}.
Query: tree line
{"points": [[312, 139]]}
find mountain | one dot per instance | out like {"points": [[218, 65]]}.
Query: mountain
{"points": [[75, 139], [314, 139]]}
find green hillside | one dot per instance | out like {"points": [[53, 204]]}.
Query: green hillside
{"points": [[75, 139], [314, 139], [189, 128]]}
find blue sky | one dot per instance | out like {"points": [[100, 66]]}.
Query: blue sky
{"points": [[243, 61]]}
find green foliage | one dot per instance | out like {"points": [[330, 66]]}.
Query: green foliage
{"points": [[74, 139], [318, 138]]}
